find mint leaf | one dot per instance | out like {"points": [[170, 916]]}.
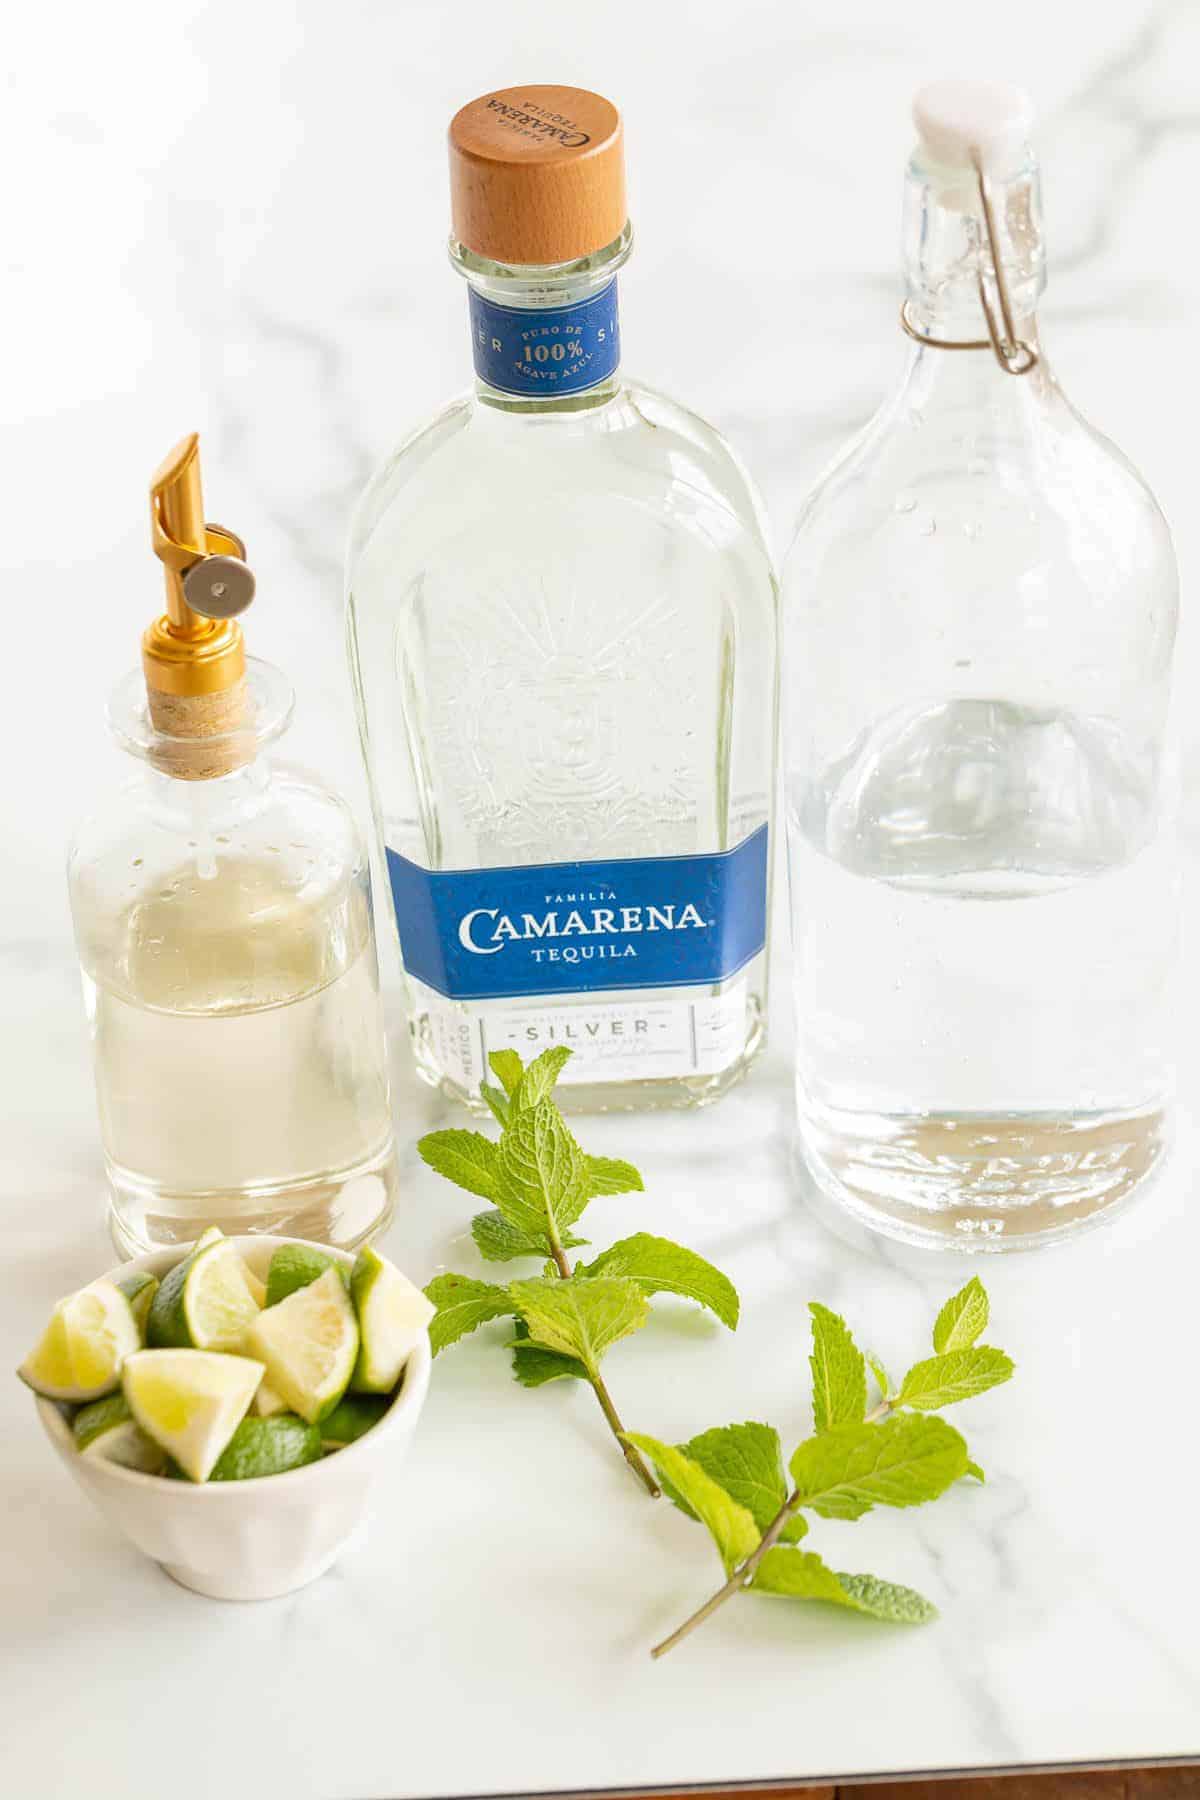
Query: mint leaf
{"points": [[579, 1318], [609, 1175], [498, 1241], [958, 1375], [731, 1526], [674, 1496], [802, 1575], [534, 1367], [882, 1379], [462, 1305], [963, 1319], [540, 1165], [497, 1100], [466, 1158], [887, 1600], [904, 1461], [747, 1461], [539, 1078], [508, 1069], [661, 1267], [838, 1370], [798, 1573]]}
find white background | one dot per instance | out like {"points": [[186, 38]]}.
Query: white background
{"points": [[232, 218]]}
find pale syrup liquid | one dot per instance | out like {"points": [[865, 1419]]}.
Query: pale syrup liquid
{"points": [[240, 1066]]}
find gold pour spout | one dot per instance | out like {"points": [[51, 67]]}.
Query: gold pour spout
{"points": [[193, 656], [195, 647]]}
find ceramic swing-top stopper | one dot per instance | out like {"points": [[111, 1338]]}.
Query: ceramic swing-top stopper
{"points": [[962, 123]]}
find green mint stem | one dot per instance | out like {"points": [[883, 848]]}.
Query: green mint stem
{"points": [[560, 1256], [632, 1456], [742, 1576]]}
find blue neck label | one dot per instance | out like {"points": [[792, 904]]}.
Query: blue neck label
{"points": [[580, 927], [546, 350]]}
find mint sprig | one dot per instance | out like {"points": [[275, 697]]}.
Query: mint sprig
{"points": [[732, 1479], [539, 1183]]}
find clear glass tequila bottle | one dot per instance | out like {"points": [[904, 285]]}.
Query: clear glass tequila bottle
{"points": [[562, 633], [980, 610], [223, 919]]}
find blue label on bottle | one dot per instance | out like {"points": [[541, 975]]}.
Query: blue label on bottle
{"points": [[546, 350], [582, 927]]}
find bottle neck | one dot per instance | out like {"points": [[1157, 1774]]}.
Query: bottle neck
{"points": [[545, 339], [948, 252], [205, 809], [211, 760]]}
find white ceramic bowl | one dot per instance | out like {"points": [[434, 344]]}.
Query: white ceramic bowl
{"points": [[249, 1540]]}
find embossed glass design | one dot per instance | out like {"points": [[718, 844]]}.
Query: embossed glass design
{"points": [[562, 632], [980, 610]]}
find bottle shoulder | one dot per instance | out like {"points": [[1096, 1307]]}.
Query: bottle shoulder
{"points": [[275, 810], [638, 448], [1022, 477]]}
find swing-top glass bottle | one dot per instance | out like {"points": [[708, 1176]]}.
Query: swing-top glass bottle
{"points": [[980, 610]]}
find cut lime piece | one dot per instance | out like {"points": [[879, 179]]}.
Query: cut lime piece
{"points": [[267, 1447], [81, 1351], [309, 1343], [257, 1288], [266, 1402], [190, 1401], [393, 1316], [108, 1431], [139, 1289], [214, 1235], [352, 1417], [204, 1302], [296, 1266]]}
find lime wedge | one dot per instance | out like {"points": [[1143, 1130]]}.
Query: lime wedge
{"points": [[267, 1447], [266, 1402], [190, 1401], [108, 1431], [81, 1351], [351, 1417], [309, 1343], [204, 1302], [257, 1288], [139, 1289], [214, 1235], [295, 1266], [392, 1317]]}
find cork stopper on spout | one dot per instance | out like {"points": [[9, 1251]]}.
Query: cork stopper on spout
{"points": [[193, 656]]}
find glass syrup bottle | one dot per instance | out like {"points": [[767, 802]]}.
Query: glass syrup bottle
{"points": [[223, 919], [563, 640], [980, 612]]}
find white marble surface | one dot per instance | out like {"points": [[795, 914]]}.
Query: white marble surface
{"points": [[231, 218]]}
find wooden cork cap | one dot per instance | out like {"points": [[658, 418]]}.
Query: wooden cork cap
{"points": [[537, 174]]}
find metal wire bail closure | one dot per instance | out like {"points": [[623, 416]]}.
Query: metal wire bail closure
{"points": [[1015, 355]]}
